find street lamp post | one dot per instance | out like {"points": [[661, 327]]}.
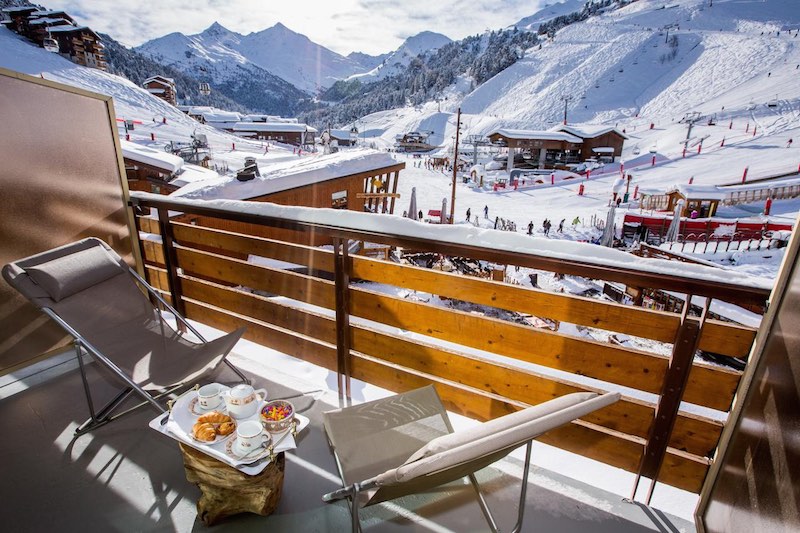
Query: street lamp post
{"points": [[455, 167]]}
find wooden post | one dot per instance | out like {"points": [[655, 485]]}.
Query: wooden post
{"points": [[395, 177], [342, 287], [171, 263]]}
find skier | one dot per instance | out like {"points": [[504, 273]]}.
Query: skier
{"points": [[420, 214], [486, 211], [789, 143], [561, 225], [530, 227], [469, 212], [576, 221]]}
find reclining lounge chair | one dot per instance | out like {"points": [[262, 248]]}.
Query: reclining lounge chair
{"points": [[405, 444], [93, 294]]}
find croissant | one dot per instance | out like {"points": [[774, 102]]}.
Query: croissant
{"points": [[204, 431], [226, 428], [214, 417]]}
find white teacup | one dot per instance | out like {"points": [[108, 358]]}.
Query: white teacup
{"points": [[250, 435], [209, 396]]}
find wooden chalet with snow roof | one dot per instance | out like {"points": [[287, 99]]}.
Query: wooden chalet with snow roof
{"points": [[292, 133], [56, 29], [544, 149], [162, 87], [601, 142], [359, 180]]}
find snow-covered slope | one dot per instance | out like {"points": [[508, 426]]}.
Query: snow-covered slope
{"points": [[548, 12], [278, 50], [397, 61]]}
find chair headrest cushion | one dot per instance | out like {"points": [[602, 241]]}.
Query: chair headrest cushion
{"points": [[70, 274]]}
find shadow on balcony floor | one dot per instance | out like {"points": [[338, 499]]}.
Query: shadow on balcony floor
{"points": [[126, 477]]}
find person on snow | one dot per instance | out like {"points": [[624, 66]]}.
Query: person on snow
{"points": [[469, 212], [530, 227], [486, 211], [561, 225], [576, 221]]}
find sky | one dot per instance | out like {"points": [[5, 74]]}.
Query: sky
{"points": [[344, 26]]}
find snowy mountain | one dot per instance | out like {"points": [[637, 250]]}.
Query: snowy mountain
{"points": [[397, 61], [223, 54], [212, 56], [366, 61], [549, 12]]}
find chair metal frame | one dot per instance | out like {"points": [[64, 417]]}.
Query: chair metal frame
{"points": [[351, 493]]}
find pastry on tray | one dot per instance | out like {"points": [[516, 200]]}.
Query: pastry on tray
{"points": [[214, 417], [204, 431]]}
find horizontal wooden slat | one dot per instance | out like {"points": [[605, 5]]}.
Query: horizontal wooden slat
{"points": [[603, 361], [719, 337], [693, 434], [296, 286], [313, 258], [727, 339], [307, 349], [711, 386], [261, 309]]}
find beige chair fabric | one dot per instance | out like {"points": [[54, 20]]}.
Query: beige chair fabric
{"points": [[404, 444], [91, 289]]}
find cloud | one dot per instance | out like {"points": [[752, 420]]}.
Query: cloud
{"points": [[371, 26]]}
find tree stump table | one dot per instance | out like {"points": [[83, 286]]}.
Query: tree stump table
{"points": [[227, 491]]}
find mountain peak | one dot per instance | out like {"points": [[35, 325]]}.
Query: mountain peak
{"points": [[216, 29]]}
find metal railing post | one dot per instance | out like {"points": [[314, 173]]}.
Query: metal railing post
{"points": [[675, 380], [342, 287], [171, 261]]}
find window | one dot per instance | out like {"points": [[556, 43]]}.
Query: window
{"points": [[339, 200]]}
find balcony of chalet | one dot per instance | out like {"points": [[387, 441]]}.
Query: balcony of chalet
{"points": [[328, 327]]}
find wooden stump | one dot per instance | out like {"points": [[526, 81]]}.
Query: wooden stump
{"points": [[227, 491]]}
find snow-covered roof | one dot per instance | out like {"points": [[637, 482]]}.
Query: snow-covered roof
{"points": [[758, 185], [218, 115], [603, 150], [289, 175], [69, 29], [162, 79], [256, 117], [472, 236], [155, 90], [271, 126], [700, 192], [200, 109], [589, 131], [47, 20], [193, 174], [537, 134], [342, 135], [149, 156]]}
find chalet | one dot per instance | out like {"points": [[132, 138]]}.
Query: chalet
{"points": [[356, 180], [344, 137], [162, 87], [222, 120], [413, 141], [158, 172], [545, 149], [79, 44], [286, 132], [701, 198], [601, 142]]}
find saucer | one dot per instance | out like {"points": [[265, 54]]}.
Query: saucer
{"points": [[232, 450]]}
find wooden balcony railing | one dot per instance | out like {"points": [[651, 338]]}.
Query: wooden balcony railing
{"points": [[353, 329]]}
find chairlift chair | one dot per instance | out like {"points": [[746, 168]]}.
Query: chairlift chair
{"points": [[205, 89], [50, 44]]}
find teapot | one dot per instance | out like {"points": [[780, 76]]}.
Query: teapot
{"points": [[242, 400]]}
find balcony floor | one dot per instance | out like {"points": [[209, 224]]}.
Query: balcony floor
{"points": [[126, 477]]}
